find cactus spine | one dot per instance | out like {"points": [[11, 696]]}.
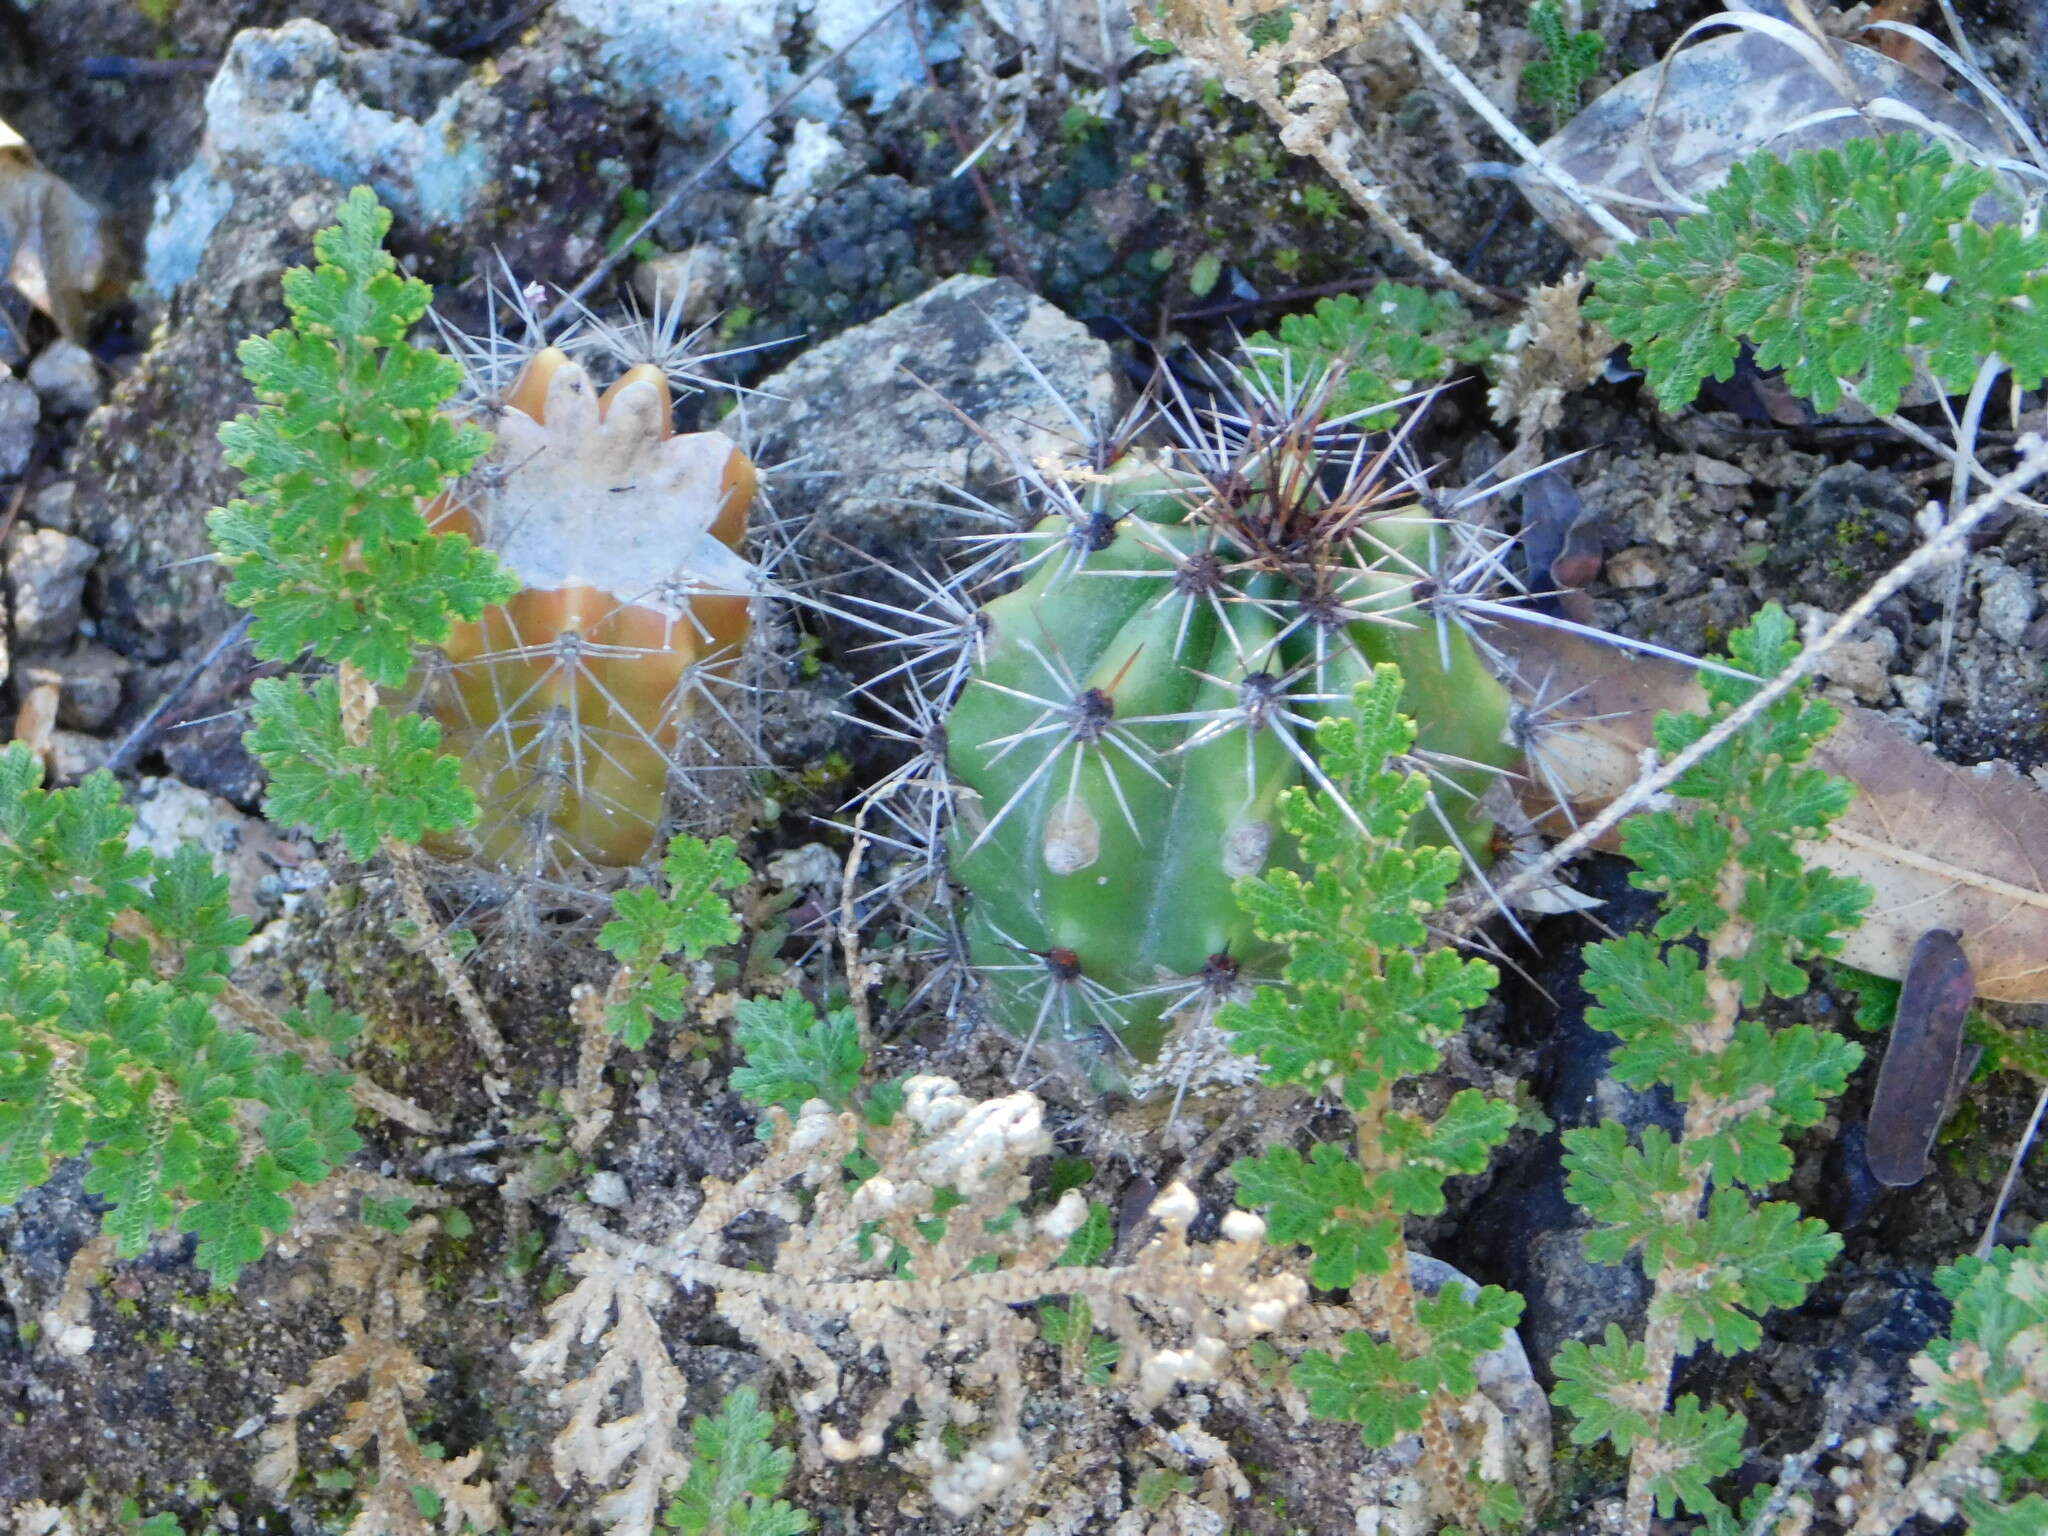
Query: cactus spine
{"points": [[1142, 699]]}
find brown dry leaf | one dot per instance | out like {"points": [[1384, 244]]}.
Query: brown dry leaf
{"points": [[51, 245], [1767, 86], [35, 724], [1942, 845]]}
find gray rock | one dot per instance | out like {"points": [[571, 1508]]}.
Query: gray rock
{"points": [[882, 421], [415, 126], [170, 815], [2006, 599], [67, 378], [149, 462], [695, 280], [1848, 526], [88, 679], [45, 581], [74, 754], [20, 410], [55, 506], [714, 78]]}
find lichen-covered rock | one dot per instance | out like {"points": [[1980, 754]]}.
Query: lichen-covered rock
{"points": [[714, 78], [66, 377], [148, 464], [407, 121], [45, 580], [881, 418], [20, 410], [844, 257]]}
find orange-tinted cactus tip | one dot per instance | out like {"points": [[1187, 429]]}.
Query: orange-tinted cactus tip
{"points": [[627, 537], [530, 394]]}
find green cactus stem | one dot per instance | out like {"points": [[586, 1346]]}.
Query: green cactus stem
{"points": [[1145, 696]]}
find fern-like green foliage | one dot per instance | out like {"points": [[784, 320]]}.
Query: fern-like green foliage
{"points": [[1985, 1383], [1382, 347], [1366, 1005], [736, 1473], [1567, 60], [793, 1056], [111, 960], [330, 549], [689, 917], [1731, 876], [1843, 267], [1090, 1353]]}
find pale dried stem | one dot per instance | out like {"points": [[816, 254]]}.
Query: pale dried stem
{"points": [[254, 1012], [412, 893], [1518, 141], [1105, 1286], [1948, 452], [1959, 487], [74, 1302], [1960, 1455], [1441, 1468], [1936, 551], [590, 1101], [858, 975], [2012, 1177], [1314, 116], [358, 703]]}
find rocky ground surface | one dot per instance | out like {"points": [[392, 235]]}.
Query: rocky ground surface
{"points": [[890, 306]]}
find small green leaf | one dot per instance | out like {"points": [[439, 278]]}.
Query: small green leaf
{"points": [[1366, 1386], [735, 1474], [793, 1056], [396, 784], [1092, 1240], [1604, 1387], [2028, 1517], [1325, 1203]]}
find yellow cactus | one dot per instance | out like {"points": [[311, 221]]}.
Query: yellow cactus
{"points": [[571, 705]]}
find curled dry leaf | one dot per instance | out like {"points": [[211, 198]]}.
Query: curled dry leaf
{"points": [[1767, 85], [51, 245], [1925, 1059], [1942, 845]]}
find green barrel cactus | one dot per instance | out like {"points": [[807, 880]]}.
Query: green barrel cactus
{"points": [[1187, 616]]}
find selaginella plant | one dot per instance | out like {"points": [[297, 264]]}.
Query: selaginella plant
{"points": [[1852, 269], [1565, 61], [1133, 711], [331, 553], [112, 967], [1366, 1006], [335, 560], [1742, 913], [1984, 1389], [903, 1251]]}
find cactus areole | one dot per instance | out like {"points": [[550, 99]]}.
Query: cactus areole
{"points": [[567, 706], [1145, 696]]}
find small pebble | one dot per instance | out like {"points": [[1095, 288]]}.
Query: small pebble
{"points": [[67, 378], [45, 581], [20, 410]]}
